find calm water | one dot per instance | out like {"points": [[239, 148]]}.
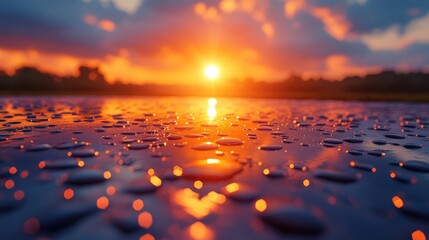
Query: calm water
{"points": [[198, 168]]}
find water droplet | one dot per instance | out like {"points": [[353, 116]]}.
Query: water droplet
{"points": [[205, 146], [85, 177], [174, 137], [379, 142], [83, 153], [184, 127], [61, 164], [274, 172], [9, 204], [209, 125], [412, 146], [395, 136], [39, 147], [270, 147], [70, 145], [363, 166], [241, 192], [335, 176], [354, 152], [150, 139], [415, 209], [290, 219], [416, 165], [61, 217], [141, 186], [125, 221], [332, 141], [402, 177], [138, 146], [211, 170], [194, 135], [129, 133], [264, 128], [229, 141], [353, 140], [377, 153]]}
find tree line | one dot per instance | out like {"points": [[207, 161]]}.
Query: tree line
{"points": [[385, 85]]}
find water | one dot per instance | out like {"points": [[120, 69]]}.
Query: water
{"points": [[195, 168]]}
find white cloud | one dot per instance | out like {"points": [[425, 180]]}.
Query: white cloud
{"points": [[358, 2], [392, 39], [128, 6]]}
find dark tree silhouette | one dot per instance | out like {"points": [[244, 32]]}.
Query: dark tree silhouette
{"points": [[386, 85]]}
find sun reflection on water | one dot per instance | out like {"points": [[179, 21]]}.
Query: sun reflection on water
{"points": [[212, 161], [211, 110], [196, 206], [199, 230]]}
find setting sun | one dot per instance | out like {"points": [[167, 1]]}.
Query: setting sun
{"points": [[212, 72]]}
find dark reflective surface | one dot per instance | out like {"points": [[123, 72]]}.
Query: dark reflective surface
{"points": [[194, 168]]}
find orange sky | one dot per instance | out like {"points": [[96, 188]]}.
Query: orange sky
{"points": [[147, 41]]}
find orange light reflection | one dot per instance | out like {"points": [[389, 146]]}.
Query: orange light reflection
{"points": [[198, 184], [261, 205], [102, 202], [68, 194], [156, 181], [177, 171], [397, 201], [199, 230], [111, 190], [145, 220], [232, 187], [212, 161], [418, 235], [193, 205], [306, 182], [138, 204]]}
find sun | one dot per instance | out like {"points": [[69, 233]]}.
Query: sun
{"points": [[211, 72]]}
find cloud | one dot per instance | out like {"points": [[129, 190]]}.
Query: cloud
{"points": [[393, 39], [338, 66], [358, 2], [206, 12], [228, 6], [268, 29], [387, 40], [256, 9], [336, 24], [107, 25], [128, 6], [104, 24], [291, 7]]}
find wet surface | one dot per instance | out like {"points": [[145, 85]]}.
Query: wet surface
{"points": [[193, 168]]}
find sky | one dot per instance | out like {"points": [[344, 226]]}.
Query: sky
{"points": [[172, 41]]}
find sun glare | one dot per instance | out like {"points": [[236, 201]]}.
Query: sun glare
{"points": [[212, 72]]}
